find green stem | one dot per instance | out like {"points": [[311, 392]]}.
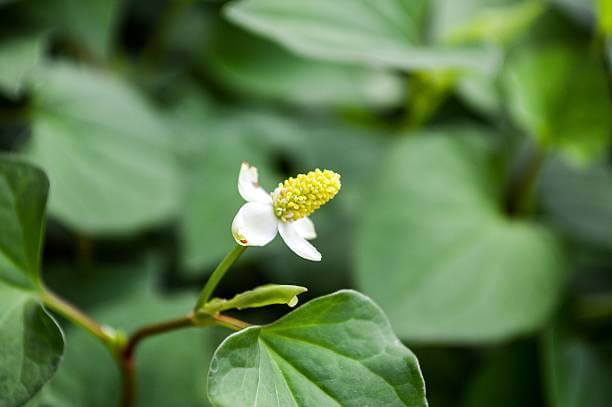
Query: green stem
{"points": [[75, 315], [124, 351], [218, 274], [126, 360], [128, 381], [155, 329], [126, 357], [229, 322]]}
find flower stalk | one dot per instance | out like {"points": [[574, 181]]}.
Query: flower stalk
{"points": [[218, 274]]}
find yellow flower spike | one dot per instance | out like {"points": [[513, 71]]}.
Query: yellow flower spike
{"points": [[299, 197]]}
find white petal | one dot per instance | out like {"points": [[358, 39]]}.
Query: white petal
{"points": [[297, 243], [305, 228], [254, 224], [248, 185]]}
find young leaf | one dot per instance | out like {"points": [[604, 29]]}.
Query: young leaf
{"points": [[107, 154], [335, 350], [559, 96], [268, 294], [437, 253], [387, 33]]}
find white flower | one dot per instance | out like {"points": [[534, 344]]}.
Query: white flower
{"points": [[286, 210]]}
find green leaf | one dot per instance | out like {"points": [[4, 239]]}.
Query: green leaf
{"points": [[23, 196], [579, 200], [577, 374], [18, 57], [436, 252], [32, 346], [107, 154], [389, 33], [559, 96], [32, 342], [261, 296], [335, 350], [87, 23], [261, 68]]}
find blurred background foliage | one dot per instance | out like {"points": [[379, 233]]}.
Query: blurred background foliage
{"points": [[473, 139]]}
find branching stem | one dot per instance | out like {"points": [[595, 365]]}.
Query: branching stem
{"points": [[78, 317], [124, 351], [126, 358]]}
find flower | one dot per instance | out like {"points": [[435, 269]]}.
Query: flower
{"points": [[284, 211]]}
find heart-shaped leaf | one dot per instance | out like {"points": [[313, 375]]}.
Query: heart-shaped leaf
{"points": [[31, 342], [107, 154], [435, 250], [387, 33], [23, 196], [32, 346], [335, 350]]}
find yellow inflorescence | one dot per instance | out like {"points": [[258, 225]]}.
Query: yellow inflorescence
{"points": [[300, 196]]}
